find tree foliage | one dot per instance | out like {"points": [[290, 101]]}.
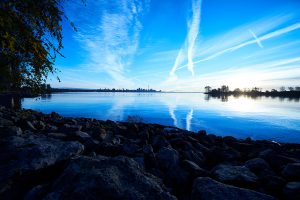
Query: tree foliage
{"points": [[30, 40]]}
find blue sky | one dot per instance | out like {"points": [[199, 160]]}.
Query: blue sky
{"points": [[181, 45]]}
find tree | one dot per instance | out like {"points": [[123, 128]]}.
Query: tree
{"points": [[291, 89], [30, 40], [282, 89], [207, 89], [237, 90], [224, 88]]}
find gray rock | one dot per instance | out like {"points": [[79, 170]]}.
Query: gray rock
{"points": [[159, 142], [101, 134], [67, 128], [5, 122], [60, 136], [272, 184], [195, 156], [130, 148], [30, 126], [194, 169], [106, 178], [235, 175], [23, 157], [259, 166], [36, 193], [86, 140], [292, 171], [10, 131], [292, 190], [149, 156], [167, 158], [208, 189]]}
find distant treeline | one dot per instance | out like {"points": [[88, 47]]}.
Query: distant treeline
{"points": [[103, 90], [282, 92]]}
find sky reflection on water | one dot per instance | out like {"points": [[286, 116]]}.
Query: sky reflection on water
{"points": [[260, 118]]}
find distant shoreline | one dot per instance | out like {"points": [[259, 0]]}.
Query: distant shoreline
{"points": [[283, 94]]}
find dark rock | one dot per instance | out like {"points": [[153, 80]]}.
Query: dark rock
{"points": [[201, 147], [276, 161], [5, 122], [292, 171], [40, 125], [60, 136], [218, 155], [178, 179], [51, 128], [167, 158], [67, 128], [106, 178], [170, 130], [257, 165], [160, 141], [11, 130], [29, 126], [140, 161], [272, 184], [208, 189], [194, 169], [130, 148], [180, 143], [144, 135], [235, 175], [116, 140], [86, 140], [149, 157], [109, 149], [292, 190], [229, 139], [195, 156], [36, 193], [101, 134], [23, 157], [202, 133]]}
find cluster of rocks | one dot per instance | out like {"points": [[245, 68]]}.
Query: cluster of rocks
{"points": [[46, 156]]}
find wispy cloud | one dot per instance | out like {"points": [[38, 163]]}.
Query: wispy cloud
{"points": [[187, 51], [236, 47], [111, 41]]}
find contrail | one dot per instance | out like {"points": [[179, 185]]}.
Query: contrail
{"points": [[256, 39], [262, 38], [189, 44], [193, 33]]}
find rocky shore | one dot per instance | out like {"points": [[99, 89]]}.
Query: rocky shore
{"points": [[46, 156]]}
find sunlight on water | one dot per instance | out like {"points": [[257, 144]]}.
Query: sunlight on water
{"points": [[260, 118]]}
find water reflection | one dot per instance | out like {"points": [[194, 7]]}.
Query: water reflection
{"points": [[239, 116]]}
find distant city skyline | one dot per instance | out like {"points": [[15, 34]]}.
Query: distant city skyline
{"points": [[176, 45]]}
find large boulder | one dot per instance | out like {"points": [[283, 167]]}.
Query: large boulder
{"points": [[292, 190], [292, 171], [106, 178], [235, 175], [205, 188], [24, 158], [260, 167], [167, 158]]}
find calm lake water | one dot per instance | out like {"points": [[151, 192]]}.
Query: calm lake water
{"points": [[261, 118]]}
